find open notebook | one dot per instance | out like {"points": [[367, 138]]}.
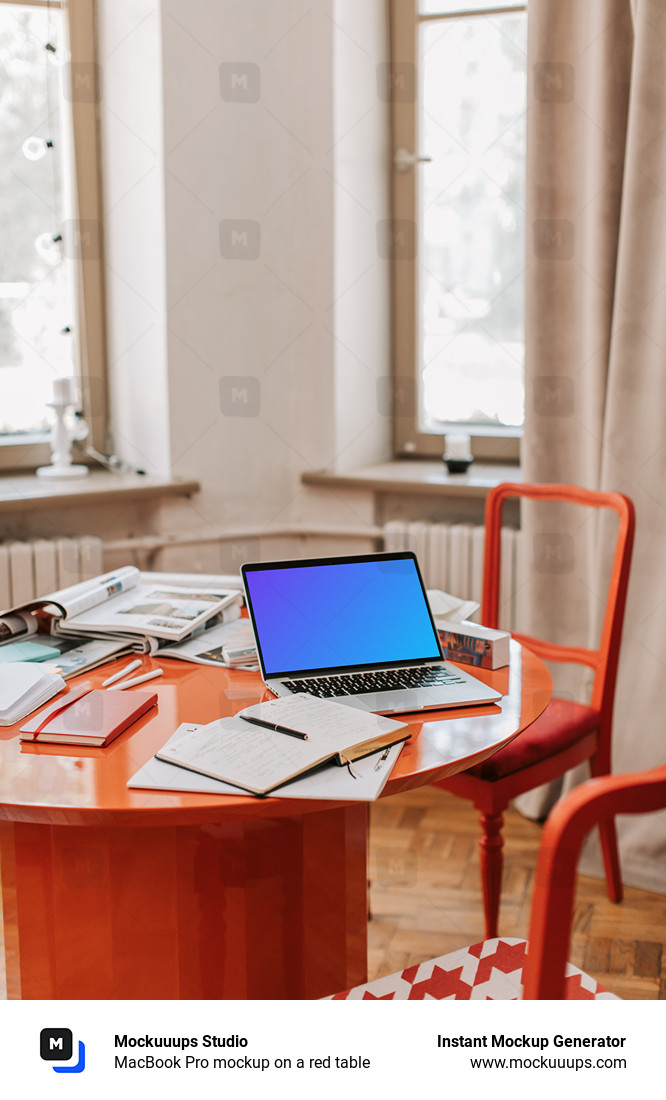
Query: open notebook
{"points": [[249, 752]]}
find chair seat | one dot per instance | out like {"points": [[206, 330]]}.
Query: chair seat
{"points": [[562, 724], [488, 971]]}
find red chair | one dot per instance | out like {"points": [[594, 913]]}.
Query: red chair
{"points": [[534, 969], [567, 733]]}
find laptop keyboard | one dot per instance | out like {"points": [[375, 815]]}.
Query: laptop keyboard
{"points": [[387, 680]]}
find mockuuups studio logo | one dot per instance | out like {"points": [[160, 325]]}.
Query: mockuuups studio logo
{"points": [[56, 1044]]}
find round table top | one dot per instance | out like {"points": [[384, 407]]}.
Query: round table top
{"points": [[61, 784]]}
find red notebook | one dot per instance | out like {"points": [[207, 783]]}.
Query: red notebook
{"points": [[88, 717]]}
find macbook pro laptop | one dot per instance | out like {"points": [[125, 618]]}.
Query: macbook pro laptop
{"points": [[355, 629]]}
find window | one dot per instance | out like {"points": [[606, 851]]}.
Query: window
{"points": [[50, 262], [458, 93]]}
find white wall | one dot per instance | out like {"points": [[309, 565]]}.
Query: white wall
{"points": [[243, 354]]}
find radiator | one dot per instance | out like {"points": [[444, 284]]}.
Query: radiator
{"points": [[32, 569], [451, 558]]}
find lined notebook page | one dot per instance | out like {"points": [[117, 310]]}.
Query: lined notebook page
{"points": [[258, 759], [332, 724], [243, 754]]}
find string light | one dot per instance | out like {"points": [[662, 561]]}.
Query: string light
{"points": [[47, 248], [33, 148]]}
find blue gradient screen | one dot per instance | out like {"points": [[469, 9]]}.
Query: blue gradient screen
{"points": [[336, 615]]}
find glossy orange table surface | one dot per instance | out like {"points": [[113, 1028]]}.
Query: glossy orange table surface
{"points": [[116, 893], [62, 784]]}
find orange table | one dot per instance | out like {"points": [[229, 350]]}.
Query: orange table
{"points": [[116, 893]]}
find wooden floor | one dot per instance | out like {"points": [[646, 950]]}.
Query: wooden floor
{"points": [[425, 897]]}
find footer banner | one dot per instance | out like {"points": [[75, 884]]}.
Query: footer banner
{"points": [[329, 1048]]}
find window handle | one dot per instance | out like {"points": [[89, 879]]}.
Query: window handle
{"points": [[404, 161]]}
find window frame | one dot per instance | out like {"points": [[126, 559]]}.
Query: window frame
{"points": [[497, 444], [20, 452]]}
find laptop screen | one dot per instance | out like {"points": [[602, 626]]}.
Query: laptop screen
{"points": [[337, 613]]}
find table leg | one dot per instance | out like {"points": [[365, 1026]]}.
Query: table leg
{"points": [[272, 908]]}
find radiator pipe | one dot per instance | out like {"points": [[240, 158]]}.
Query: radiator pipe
{"points": [[152, 544]]}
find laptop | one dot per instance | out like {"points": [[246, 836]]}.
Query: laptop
{"points": [[355, 629]]}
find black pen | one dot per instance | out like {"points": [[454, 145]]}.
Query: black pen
{"points": [[277, 729]]}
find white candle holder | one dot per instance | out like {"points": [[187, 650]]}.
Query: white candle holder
{"points": [[458, 454], [61, 442]]}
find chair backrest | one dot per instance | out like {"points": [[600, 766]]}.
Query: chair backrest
{"points": [[568, 824], [603, 660]]}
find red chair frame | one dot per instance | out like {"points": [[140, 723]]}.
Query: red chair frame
{"points": [[536, 969], [492, 795], [595, 802]]}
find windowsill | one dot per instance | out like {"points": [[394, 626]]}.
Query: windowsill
{"points": [[25, 492], [422, 477]]}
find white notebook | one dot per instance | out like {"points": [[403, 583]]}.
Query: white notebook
{"points": [[244, 752], [24, 686]]}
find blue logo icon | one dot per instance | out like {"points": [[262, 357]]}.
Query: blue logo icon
{"points": [[56, 1044]]}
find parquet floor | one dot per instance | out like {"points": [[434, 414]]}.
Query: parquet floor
{"points": [[425, 897]]}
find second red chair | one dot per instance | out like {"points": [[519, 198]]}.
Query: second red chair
{"points": [[567, 733]]}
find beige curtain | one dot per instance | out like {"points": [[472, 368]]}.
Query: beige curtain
{"points": [[596, 348]]}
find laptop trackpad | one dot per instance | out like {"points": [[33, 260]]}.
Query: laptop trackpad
{"points": [[390, 701]]}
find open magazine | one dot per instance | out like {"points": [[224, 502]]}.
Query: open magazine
{"points": [[123, 604], [67, 656], [228, 644]]}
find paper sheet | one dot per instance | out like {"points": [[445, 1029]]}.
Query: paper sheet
{"points": [[445, 606]]}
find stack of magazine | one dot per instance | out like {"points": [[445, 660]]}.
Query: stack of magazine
{"points": [[95, 621]]}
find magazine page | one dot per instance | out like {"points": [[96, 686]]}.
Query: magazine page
{"points": [[77, 656], [18, 625], [62, 654], [79, 597], [156, 610], [196, 580], [70, 601], [208, 647]]}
